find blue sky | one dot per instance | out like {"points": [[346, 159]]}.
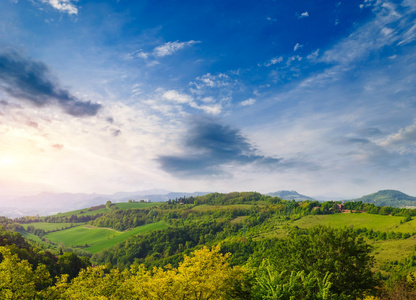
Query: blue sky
{"points": [[107, 96]]}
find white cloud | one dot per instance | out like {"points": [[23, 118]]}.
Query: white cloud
{"points": [[173, 95], [212, 81], [404, 138], [409, 36], [304, 15], [136, 54], [184, 99], [369, 37], [248, 102], [63, 6], [297, 46], [171, 47], [215, 109], [273, 61], [313, 55]]}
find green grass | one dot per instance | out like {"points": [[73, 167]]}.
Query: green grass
{"points": [[49, 226], [375, 222], [80, 235], [107, 243], [97, 238], [32, 237], [84, 211], [390, 250]]}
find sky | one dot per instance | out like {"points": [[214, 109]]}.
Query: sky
{"points": [[116, 95]]}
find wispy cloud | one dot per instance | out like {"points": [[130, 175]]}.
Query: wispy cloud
{"points": [[297, 46], [166, 49], [66, 6], [212, 81], [29, 80], [171, 47], [248, 102], [273, 61], [176, 97], [303, 15]]}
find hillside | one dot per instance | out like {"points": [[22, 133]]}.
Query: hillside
{"points": [[290, 195], [391, 198], [263, 233]]}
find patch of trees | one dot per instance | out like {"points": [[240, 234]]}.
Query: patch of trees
{"points": [[130, 218], [14, 244], [379, 210], [72, 219], [160, 247]]}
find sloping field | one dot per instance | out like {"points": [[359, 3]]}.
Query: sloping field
{"points": [[375, 222], [107, 243], [81, 235], [97, 238], [49, 226]]}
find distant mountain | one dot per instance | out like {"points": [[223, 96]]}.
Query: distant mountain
{"points": [[388, 198], [290, 195], [50, 203]]}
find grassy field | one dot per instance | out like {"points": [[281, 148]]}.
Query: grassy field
{"points": [[81, 235], [107, 243], [375, 222], [390, 250], [97, 238], [49, 226], [82, 212]]}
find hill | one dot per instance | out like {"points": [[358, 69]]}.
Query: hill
{"points": [[51, 203], [290, 195], [391, 198]]}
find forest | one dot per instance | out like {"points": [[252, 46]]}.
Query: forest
{"points": [[218, 246]]}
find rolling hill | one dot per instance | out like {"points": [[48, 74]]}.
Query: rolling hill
{"points": [[391, 198], [289, 195]]}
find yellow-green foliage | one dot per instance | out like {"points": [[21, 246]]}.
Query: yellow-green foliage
{"points": [[205, 274], [17, 279]]}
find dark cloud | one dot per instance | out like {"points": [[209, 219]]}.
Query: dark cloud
{"points": [[31, 80], [110, 120], [213, 146], [32, 124], [358, 141], [371, 131], [117, 132]]}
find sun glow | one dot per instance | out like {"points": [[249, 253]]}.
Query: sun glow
{"points": [[7, 161]]}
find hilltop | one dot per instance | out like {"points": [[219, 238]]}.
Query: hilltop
{"points": [[290, 195], [391, 198]]}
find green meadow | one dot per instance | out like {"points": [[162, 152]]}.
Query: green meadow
{"points": [[95, 239], [358, 220], [49, 226], [110, 242]]}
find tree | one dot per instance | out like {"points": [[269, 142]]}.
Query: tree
{"points": [[204, 275], [18, 280], [324, 250], [274, 284]]}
